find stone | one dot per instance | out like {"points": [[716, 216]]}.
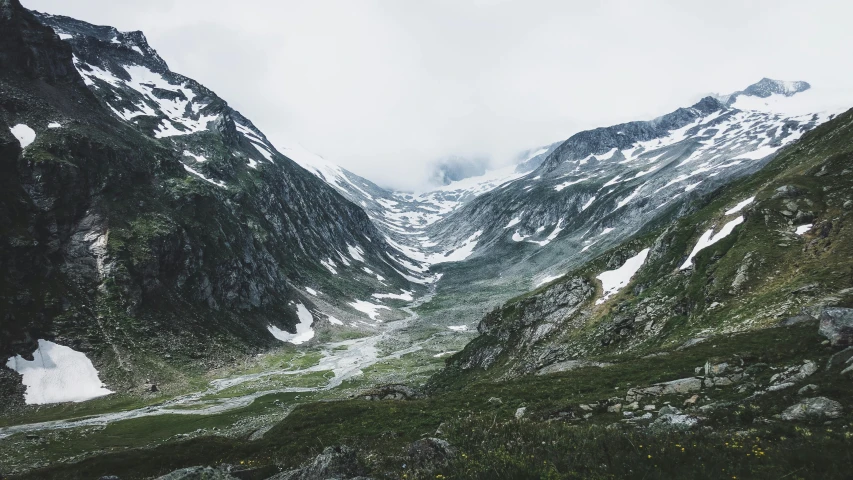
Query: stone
{"points": [[669, 410], [628, 414], [674, 423], [615, 408], [495, 401], [519, 413], [810, 388], [587, 416], [691, 401], [817, 408], [779, 386], [674, 387], [585, 407], [836, 324], [650, 408], [632, 406]]}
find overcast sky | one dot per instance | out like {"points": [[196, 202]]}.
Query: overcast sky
{"points": [[383, 88]]}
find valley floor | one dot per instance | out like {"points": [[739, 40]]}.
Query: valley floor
{"points": [[575, 424]]}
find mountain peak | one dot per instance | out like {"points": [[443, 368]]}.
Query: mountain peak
{"points": [[766, 87]]}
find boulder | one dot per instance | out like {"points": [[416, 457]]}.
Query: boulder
{"points": [[810, 388], [335, 463], [430, 452], [519, 413], [817, 408], [836, 324], [669, 410], [495, 401]]}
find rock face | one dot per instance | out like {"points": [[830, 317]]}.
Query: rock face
{"points": [[813, 409], [836, 324], [335, 463], [520, 326]]}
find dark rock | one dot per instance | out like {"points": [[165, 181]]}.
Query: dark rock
{"points": [[430, 452]]}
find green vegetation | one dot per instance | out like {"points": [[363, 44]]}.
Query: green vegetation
{"points": [[493, 444]]}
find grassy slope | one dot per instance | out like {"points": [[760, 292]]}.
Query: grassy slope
{"points": [[786, 272]]}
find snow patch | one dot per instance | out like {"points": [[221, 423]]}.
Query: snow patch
{"points": [[24, 134], [613, 280], [740, 206], [304, 332], [802, 229], [709, 238], [201, 176], [406, 295], [57, 374], [459, 328], [198, 158], [54, 125], [370, 309], [548, 279]]}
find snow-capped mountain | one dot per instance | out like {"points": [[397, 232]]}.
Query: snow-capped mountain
{"points": [[149, 218], [603, 185], [565, 202]]}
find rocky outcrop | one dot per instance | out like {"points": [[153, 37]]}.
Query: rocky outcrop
{"points": [[335, 463], [390, 392]]}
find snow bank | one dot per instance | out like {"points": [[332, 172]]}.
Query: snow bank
{"points": [[802, 229], [709, 238], [740, 206], [371, 309], [303, 328], [613, 280], [406, 295], [58, 374], [24, 134], [548, 279]]}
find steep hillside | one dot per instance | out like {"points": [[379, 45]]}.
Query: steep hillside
{"points": [[775, 246], [149, 225]]}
